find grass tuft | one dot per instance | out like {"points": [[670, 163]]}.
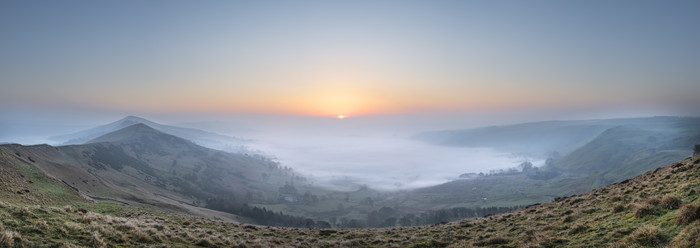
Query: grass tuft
{"points": [[689, 237], [498, 240], [578, 229], [671, 202], [96, 240], [643, 209], [617, 208], [11, 239], [654, 200], [647, 235], [90, 217], [687, 214]]}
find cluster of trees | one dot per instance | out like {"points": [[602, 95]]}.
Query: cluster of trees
{"points": [[545, 172], [263, 216], [383, 217], [548, 171]]}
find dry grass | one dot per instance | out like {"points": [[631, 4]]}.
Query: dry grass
{"points": [[11, 239], [96, 240], [90, 217], [688, 238], [619, 207], [687, 214], [647, 235], [643, 209], [671, 202]]}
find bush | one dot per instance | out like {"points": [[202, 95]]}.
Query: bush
{"points": [[671, 202], [687, 214]]}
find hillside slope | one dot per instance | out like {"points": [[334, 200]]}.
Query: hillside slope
{"points": [[140, 166], [656, 209]]}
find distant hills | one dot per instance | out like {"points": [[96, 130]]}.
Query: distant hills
{"points": [[541, 139], [200, 137], [585, 155], [139, 165]]}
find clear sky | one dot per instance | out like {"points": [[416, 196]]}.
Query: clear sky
{"points": [[326, 58]]}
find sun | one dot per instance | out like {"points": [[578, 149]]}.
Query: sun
{"points": [[341, 117]]}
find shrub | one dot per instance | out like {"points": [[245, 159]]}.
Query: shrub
{"points": [[647, 236], [687, 214], [671, 202]]}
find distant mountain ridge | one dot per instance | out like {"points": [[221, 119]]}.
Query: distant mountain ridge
{"points": [[540, 139], [600, 152], [200, 137]]}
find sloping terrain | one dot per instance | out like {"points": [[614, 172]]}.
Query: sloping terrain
{"points": [[141, 166], [656, 209], [623, 149], [202, 138]]}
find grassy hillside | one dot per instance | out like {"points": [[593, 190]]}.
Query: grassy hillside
{"points": [[140, 166], [656, 209]]}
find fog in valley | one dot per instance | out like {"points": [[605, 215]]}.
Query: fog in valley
{"points": [[341, 154]]}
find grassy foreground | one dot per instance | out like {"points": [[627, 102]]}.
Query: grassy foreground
{"points": [[657, 209]]}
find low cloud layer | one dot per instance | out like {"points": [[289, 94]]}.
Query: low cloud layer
{"points": [[386, 163]]}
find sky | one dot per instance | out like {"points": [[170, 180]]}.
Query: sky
{"points": [[352, 58], [281, 72]]}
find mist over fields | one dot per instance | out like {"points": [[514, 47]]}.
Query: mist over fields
{"points": [[385, 163], [340, 154]]}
